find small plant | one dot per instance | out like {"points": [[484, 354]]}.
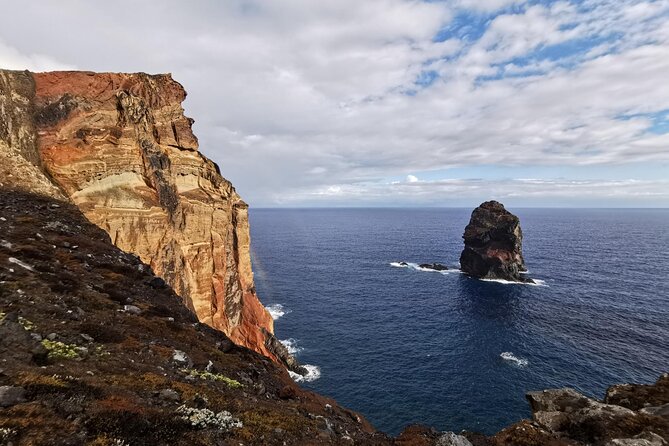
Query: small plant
{"points": [[213, 377], [103, 440], [101, 352], [60, 350], [51, 383], [5, 432], [64, 378], [205, 418], [26, 324]]}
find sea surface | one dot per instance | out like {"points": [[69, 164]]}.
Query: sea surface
{"points": [[401, 345]]}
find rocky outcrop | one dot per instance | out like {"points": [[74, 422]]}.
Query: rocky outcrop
{"points": [[120, 148], [493, 244], [637, 417], [649, 398], [20, 163], [434, 266]]}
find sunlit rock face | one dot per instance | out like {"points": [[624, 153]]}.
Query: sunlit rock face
{"points": [[120, 148]]}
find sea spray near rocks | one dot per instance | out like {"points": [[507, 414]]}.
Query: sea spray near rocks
{"points": [[277, 311], [426, 267], [291, 345], [313, 373]]}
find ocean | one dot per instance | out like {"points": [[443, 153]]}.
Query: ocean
{"points": [[402, 346]]}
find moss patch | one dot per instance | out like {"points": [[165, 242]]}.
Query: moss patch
{"points": [[60, 350], [203, 374]]}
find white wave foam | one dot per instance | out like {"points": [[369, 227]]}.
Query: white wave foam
{"points": [[291, 345], [417, 267], [537, 282], [452, 270], [277, 310], [510, 357], [313, 373]]}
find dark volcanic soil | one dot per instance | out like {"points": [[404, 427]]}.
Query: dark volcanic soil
{"points": [[91, 347]]}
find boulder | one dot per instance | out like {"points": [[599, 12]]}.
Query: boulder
{"points": [[11, 395]]}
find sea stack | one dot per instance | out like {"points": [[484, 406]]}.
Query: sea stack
{"points": [[493, 245]]}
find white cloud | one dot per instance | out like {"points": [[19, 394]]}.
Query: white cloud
{"points": [[13, 59], [293, 97], [515, 192], [486, 5], [412, 179]]}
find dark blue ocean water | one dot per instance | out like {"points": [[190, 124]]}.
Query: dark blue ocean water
{"points": [[402, 346]]}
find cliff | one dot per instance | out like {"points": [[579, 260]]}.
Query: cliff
{"points": [[96, 350], [493, 244], [120, 148]]}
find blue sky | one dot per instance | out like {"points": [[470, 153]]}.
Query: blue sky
{"points": [[394, 102]]}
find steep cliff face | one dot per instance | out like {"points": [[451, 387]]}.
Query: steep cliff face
{"points": [[121, 149], [19, 159]]}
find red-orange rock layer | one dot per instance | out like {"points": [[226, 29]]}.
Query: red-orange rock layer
{"points": [[120, 148]]}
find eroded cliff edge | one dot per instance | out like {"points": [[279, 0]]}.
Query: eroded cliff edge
{"points": [[120, 148]]}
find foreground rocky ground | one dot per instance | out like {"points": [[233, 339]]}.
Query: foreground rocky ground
{"points": [[96, 350]]}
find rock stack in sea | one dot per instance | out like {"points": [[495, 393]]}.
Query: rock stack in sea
{"points": [[493, 245]]}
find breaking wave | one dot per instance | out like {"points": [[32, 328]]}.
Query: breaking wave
{"points": [[452, 270], [313, 373], [417, 267], [537, 282], [277, 310], [291, 346], [510, 357]]}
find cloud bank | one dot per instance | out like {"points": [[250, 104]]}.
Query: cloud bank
{"points": [[336, 102]]}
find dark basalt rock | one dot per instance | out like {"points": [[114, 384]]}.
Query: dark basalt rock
{"points": [[493, 244], [434, 266], [281, 352]]}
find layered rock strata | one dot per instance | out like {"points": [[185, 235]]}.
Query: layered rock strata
{"points": [[493, 244], [120, 148]]}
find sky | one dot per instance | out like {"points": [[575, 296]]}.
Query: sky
{"points": [[393, 102]]}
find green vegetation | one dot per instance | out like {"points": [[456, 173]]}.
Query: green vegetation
{"points": [[25, 323], [213, 377], [60, 350]]}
